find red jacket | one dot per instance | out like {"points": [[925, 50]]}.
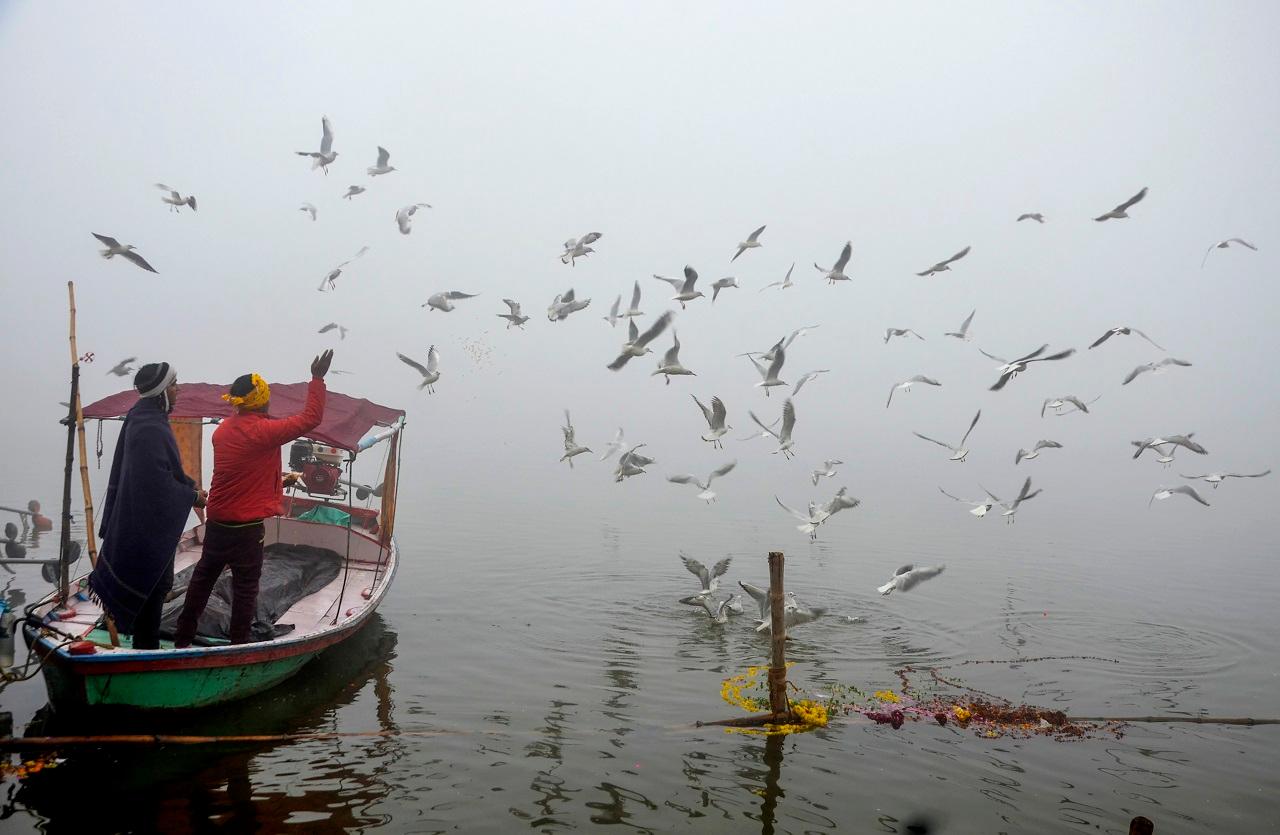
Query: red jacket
{"points": [[246, 459]]}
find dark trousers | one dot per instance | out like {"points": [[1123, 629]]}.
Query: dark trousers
{"points": [[146, 628], [239, 547]]}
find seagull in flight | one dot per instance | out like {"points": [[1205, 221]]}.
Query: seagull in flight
{"points": [[1011, 368], [684, 289], [124, 367], [612, 317], [381, 167], [631, 463], [1123, 209], [309, 208], [615, 445], [769, 376], [1059, 406], [752, 241], [1185, 489], [811, 375], [720, 284], [963, 333], [670, 364], [718, 612], [1175, 440], [786, 341], [1219, 245], [890, 333], [323, 158], [840, 501], [1217, 478], [1011, 508], [563, 305], [404, 217], [959, 453], [708, 580], [430, 372], [1153, 366], [634, 309], [944, 265], [784, 283], [576, 248], [352, 191], [783, 436], [514, 317], [1036, 216], [571, 447], [759, 595], [342, 331], [906, 385], [715, 417], [828, 470], [330, 281], [175, 200], [1057, 403], [978, 509], [443, 301], [836, 273], [908, 577], [125, 251], [707, 495], [1123, 330], [1035, 451], [637, 344]]}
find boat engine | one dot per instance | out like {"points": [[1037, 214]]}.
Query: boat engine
{"points": [[320, 465]]}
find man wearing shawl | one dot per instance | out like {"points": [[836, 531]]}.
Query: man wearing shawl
{"points": [[246, 489], [144, 512]]}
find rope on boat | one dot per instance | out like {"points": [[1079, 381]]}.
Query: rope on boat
{"points": [[14, 675]]}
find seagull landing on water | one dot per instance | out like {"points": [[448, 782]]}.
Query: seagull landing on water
{"points": [[783, 436], [1123, 330], [430, 372], [1012, 368], [684, 289], [1153, 366], [752, 241], [563, 305], [810, 521], [720, 284], [1123, 209], [963, 333], [978, 508], [342, 331], [709, 580], [827, 470], [718, 612], [323, 158], [759, 595], [890, 333], [959, 453], [1219, 245], [908, 577], [125, 251], [175, 200], [381, 167], [513, 317], [576, 248], [944, 265], [352, 191], [637, 344], [124, 367], [404, 217], [707, 495], [1185, 489], [715, 417], [1058, 403], [309, 208], [1011, 508], [794, 614], [784, 283], [1036, 216], [906, 385], [836, 273], [1217, 478], [1035, 451], [670, 364], [571, 446], [444, 301], [1175, 440]]}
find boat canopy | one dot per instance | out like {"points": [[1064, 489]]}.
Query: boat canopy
{"points": [[347, 419]]}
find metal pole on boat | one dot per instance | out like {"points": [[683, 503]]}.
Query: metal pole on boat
{"points": [[91, 541]]}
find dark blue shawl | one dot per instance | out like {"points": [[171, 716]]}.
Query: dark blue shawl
{"points": [[143, 515]]}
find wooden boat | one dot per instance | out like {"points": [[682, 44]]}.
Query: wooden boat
{"points": [[82, 669]]}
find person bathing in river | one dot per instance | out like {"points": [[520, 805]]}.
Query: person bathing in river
{"points": [[246, 489], [148, 500]]}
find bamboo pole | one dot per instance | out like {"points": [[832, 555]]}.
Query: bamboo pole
{"points": [[90, 535], [778, 628]]}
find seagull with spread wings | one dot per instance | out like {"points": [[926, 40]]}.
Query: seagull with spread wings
{"points": [[637, 344], [906, 385], [707, 495], [1123, 330], [430, 372], [783, 435], [908, 577], [890, 333], [1219, 245], [958, 452], [576, 248], [514, 317], [1011, 508], [443, 301], [715, 417], [1185, 489], [836, 272], [323, 158], [978, 508], [963, 333], [175, 200], [752, 241], [1174, 440], [125, 251], [342, 331], [670, 364], [381, 166], [709, 580], [1153, 366], [1012, 368], [1035, 451], [1217, 478], [571, 446], [784, 283], [722, 284], [1123, 209], [404, 216], [945, 264], [1036, 216], [684, 288], [124, 367]]}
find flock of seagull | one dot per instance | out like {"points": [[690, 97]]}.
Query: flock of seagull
{"points": [[769, 364]]}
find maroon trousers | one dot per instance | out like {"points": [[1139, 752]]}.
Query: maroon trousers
{"points": [[237, 546]]}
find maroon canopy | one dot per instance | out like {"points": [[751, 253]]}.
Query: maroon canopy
{"points": [[346, 419]]}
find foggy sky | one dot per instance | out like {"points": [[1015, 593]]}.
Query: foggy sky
{"points": [[912, 130]]}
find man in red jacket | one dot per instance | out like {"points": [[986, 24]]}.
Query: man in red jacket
{"points": [[246, 489]]}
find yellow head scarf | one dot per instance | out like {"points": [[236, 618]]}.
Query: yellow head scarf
{"points": [[255, 399]]}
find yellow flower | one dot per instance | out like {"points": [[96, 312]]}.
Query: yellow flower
{"points": [[961, 713], [887, 696]]}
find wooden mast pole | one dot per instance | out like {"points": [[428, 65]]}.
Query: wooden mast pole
{"points": [[90, 531], [778, 704]]}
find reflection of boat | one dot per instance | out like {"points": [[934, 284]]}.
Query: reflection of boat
{"points": [[82, 670]]}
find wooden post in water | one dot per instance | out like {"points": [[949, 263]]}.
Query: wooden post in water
{"points": [[777, 617]]}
